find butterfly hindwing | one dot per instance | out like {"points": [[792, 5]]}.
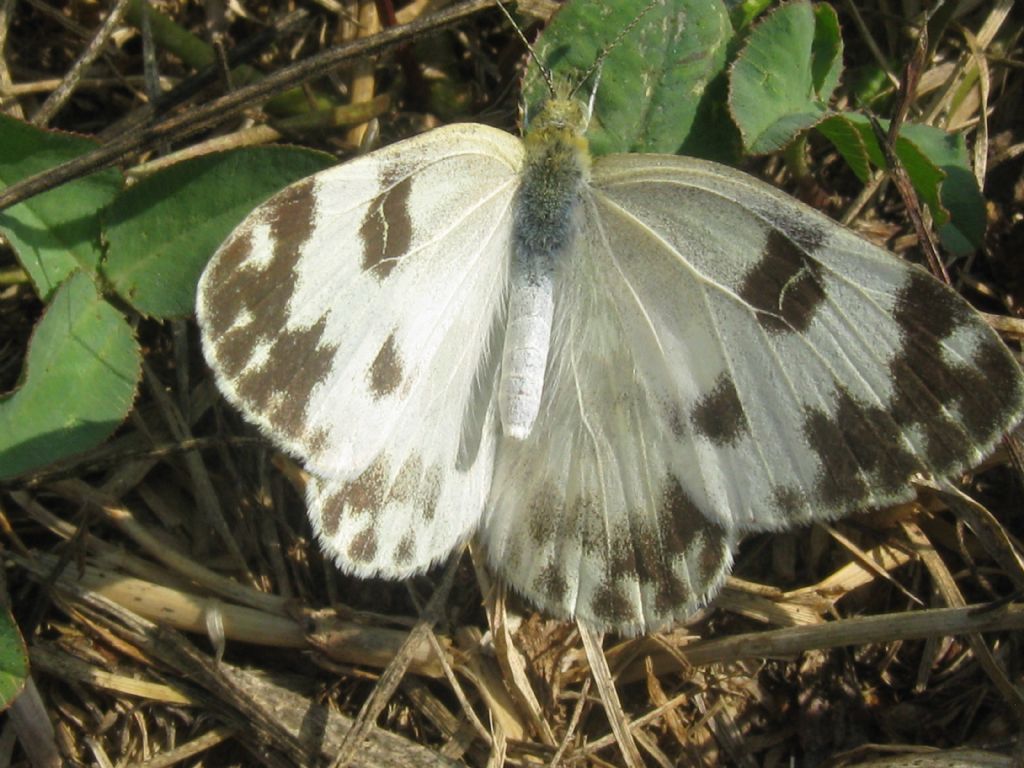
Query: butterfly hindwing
{"points": [[586, 515], [351, 317], [698, 389]]}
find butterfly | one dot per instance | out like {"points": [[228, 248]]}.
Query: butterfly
{"points": [[608, 369]]}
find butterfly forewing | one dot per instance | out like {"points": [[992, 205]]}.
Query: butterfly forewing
{"points": [[350, 317], [863, 363]]}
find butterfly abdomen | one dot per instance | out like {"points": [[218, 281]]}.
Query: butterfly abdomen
{"points": [[555, 168]]}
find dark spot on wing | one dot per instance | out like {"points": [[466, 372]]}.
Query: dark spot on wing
{"points": [[987, 392], [363, 546], [719, 415], [654, 557], [291, 217], [544, 515], [551, 584], [785, 285], [405, 549], [265, 295], [674, 419], [686, 531], [407, 482], [302, 360], [297, 359], [385, 372], [714, 548], [997, 370], [362, 496], [586, 521], [919, 377], [926, 300], [680, 521], [790, 503], [672, 594], [220, 305], [860, 447], [611, 605], [638, 556], [265, 289], [387, 229], [430, 492], [625, 558]]}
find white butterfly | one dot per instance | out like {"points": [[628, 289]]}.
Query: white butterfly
{"points": [[609, 370]]}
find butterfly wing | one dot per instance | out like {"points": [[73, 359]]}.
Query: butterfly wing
{"points": [[351, 317], [725, 360], [832, 372]]}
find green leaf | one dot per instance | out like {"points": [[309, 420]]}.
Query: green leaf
{"points": [[654, 82], [162, 231], [56, 232], [744, 12], [850, 141], [13, 660], [826, 52], [959, 192], [78, 383], [868, 87], [784, 76], [936, 163], [925, 176]]}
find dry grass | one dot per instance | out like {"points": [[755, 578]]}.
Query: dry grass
{"points": [[178, 613]]}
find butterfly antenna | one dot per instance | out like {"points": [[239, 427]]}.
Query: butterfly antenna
{"points": [[533, 54], [593, 92], [595, 68]]}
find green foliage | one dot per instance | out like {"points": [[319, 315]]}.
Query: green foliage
{"points": [[83, 363], [744, 12], [780, 86], [936, 163], [13, 659], [57, 232], [963, 229], [666, 84], [653, 94], [785, 74], [78, 382], [162, 231]]}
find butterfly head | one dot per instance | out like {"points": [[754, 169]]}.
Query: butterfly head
{"points": [[562, 115], [561, 120]]}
